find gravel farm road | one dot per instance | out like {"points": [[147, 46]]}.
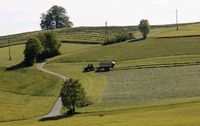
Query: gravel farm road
{"points": [[55, 111]]}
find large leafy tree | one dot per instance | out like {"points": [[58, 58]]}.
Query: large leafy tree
{"points": [[73, 95], [51, 44], [144, 28], [32, 49], [56, 17]]}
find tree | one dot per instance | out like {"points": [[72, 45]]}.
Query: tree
{"points": [[144, 28], [56, 17], [49, 41], [32, 49], [73, 95]]}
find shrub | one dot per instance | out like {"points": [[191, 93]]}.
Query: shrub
{"points": [[119, 37], [49, 41], [32, 49]]}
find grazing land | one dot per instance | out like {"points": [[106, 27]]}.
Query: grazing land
{"points": [[155, 81], [27, 88]]}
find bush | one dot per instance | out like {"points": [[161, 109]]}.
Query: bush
{"points": [[32, 49], [49, 41], [119, 37]]}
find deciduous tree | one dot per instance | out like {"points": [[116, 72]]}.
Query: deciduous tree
{"points": [[51, 44], [32, 49], [73, 95], [56, 17], [144, 28]]}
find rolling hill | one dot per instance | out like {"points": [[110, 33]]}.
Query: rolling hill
{"points": [[155, 81]]}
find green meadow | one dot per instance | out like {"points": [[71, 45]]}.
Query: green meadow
{"points": [[155, 81]]}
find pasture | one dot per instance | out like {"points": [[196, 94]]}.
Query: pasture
{"points": [[150, 48], [184, 114], [154, 82], [27, 88]]}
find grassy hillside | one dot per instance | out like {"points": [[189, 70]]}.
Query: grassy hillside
{"points": [[155, 81], [149, 48], [95, 84], [83, 34], [184, 30], [20, 107], [184, 114], [28, 93], [22, 91], [97, 34], [16, 54]]}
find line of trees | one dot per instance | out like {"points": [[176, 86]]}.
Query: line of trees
{"points": [[45, 45]]}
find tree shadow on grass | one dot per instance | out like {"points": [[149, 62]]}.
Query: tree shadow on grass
{"points": [[136, 40], [55, 117], [50, 118], [16, 67]]}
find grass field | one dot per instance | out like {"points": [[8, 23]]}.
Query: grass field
{"points": [[155, 82], [28, 93], [184, 30], [149, 48], [94, 84], [141, 86], [84, 34], [97, 34], [185, 114], [21, 107], [16, 54]]}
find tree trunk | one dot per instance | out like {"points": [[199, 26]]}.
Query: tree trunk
{"points": [[144, 36], [73, 109]]}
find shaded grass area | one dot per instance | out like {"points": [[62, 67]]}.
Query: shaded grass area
{"points": [[185, 114], [149, 48]]}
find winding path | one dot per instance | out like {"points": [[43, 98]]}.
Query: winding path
{"points": [[55, 111]]}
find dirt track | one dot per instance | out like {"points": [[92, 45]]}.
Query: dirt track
{"points": [[55, 111]]}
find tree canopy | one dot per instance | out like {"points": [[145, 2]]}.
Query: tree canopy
{"points": [[56, 17], [51, 44], [144, 28], [32, 49], [73, 95]]}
